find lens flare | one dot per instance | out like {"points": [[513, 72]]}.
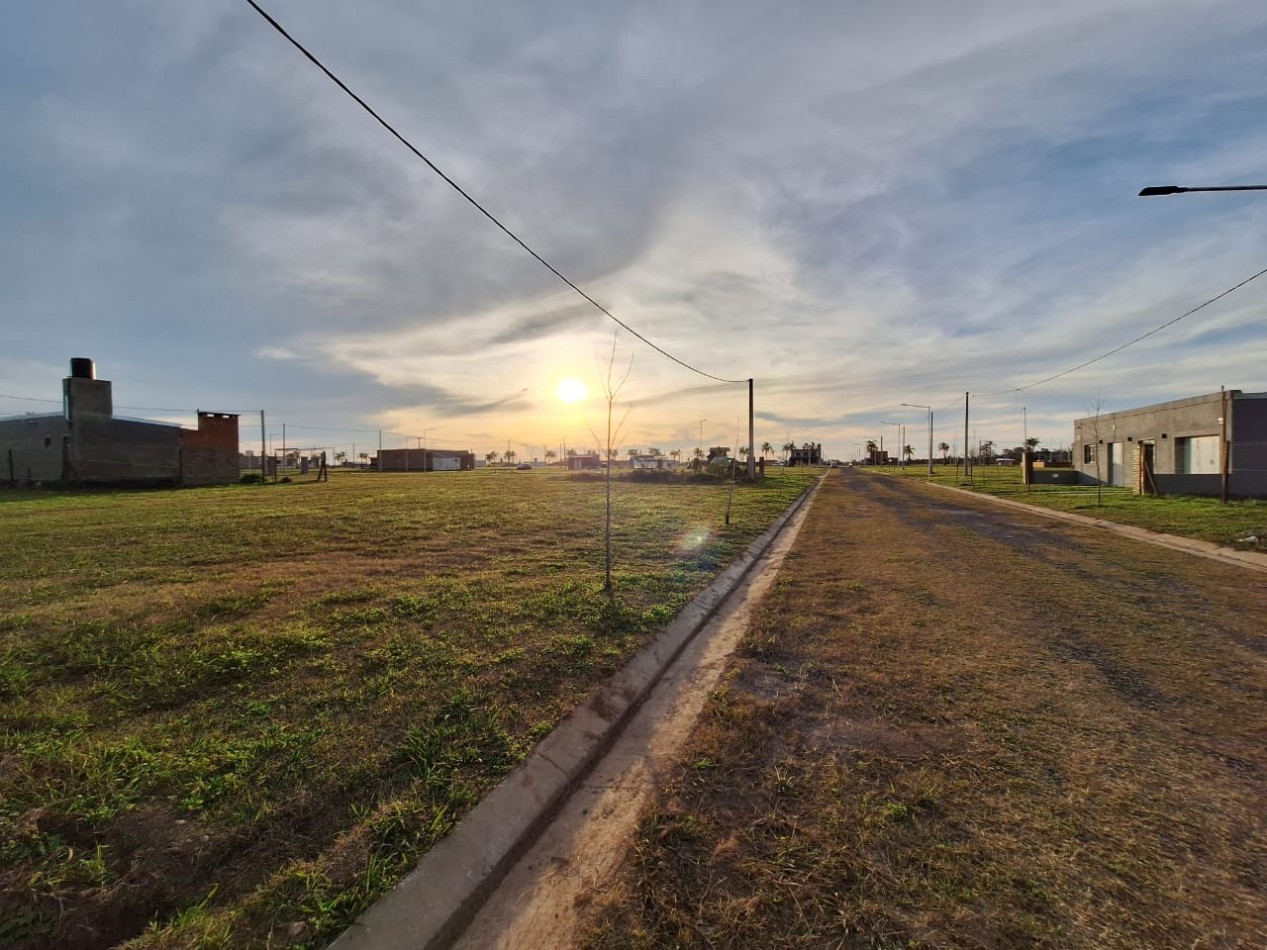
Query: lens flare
{"points": [[694, 539]]}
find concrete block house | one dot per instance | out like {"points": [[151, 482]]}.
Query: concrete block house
{"points": [[425, 460], [1188, 446], [87, 444]]}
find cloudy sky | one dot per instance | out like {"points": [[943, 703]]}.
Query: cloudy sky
{"points": [[858, 204]]}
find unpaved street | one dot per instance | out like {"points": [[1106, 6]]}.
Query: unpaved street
{"points": [[955, 725]]}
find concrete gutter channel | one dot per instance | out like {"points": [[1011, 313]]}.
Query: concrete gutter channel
{"points": [[433, 905], [1251, 559]]}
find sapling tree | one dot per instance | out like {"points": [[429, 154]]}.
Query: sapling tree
{"points": [[611, 386]]}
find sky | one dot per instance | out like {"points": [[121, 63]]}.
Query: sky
{"points": [[857, 205]]}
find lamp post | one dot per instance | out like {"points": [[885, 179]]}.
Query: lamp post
{"points": [[929, 409], [701, 436], [1154, 191]]}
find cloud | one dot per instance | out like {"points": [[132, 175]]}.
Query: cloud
{"points": [[858, 205]]}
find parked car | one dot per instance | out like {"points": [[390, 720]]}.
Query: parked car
{"points": [[523, 467]]}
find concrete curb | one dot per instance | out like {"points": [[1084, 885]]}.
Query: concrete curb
{"points": [[435, 902], [1250, 559]]}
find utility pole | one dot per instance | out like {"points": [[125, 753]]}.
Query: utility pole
{"points": [[1223, 453], [752, 462], [263, 447], [283, 448], [967, 470], [701, 436]]}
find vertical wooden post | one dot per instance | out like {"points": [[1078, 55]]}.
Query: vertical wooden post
{"points": [[967, 470], [752, 462], [1223, 447]]}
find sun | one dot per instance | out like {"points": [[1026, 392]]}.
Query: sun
{"points": [[571, 390]]}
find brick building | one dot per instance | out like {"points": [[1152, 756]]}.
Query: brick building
{"points": [[86, 443]]}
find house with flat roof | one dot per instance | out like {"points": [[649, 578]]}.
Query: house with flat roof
{"points": [[1188, 446], [87, 444]]}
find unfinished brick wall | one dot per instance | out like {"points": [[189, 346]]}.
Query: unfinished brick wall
{"points": [[209, 455]]}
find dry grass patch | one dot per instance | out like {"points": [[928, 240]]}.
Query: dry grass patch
{"points": [[986, 736]]}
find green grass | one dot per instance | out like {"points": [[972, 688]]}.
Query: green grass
{"points": [[1189, 516], [235, 716]]}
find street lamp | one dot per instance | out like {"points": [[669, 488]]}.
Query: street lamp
{"points": [[929, 409], [701, 437], [1154, 191]]}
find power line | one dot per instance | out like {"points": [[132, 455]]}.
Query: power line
{"points": [[1119, 349], [189, 412], [461, 191]]}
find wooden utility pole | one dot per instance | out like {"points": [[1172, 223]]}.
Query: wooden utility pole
{"points": [[1223, 448], [967, 471], [752, 462], [263, 447]]}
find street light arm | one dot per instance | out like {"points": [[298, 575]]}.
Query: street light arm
{"points": [[1155, 190]]}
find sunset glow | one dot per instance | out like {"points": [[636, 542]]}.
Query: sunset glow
{"points": [[571, 390]]}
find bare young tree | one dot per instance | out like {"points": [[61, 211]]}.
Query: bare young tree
{"points": [[1096, 405], [611, 387]]}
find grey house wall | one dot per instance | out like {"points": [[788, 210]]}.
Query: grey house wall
{"points": [[1249, 445], [123, 450], [1166, 425], [32, 448]]}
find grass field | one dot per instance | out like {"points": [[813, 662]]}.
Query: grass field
{"points": [[950, 727], [1189, 516], [235, 716]]}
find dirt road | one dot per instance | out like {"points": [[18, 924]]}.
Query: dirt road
{"points": [[952, 724]]}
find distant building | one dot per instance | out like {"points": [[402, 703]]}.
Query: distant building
{"points": [[86, 443], [583, 463], [652, 462], [1180, 447], [425, 460], [808, 454]]}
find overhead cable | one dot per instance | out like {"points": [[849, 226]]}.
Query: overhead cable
{"points": [[484, 211], [1119, 349]]}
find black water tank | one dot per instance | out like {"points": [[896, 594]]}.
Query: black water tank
{"points": [[81, 368]]}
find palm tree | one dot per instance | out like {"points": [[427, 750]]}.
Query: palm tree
{"points": [[551, 455], [743, 451], [697, 452], [1031, 443], [676, 454], [944, 449], [509, 456], [766, 449], [907, 452], [788, 447], [490, 458], [873, 449], [340, 457]]}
